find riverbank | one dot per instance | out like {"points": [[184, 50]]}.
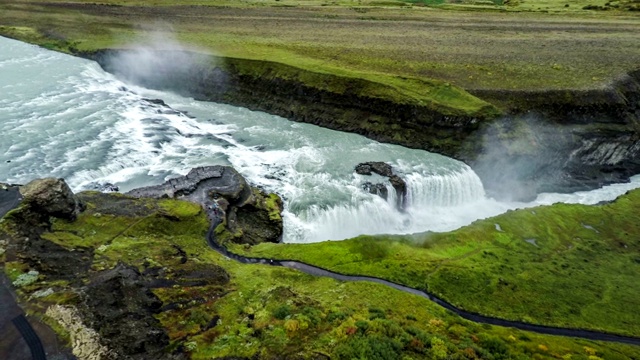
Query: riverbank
{"points": [[565, 82], [547, 141], [525, 264], [201, 305]]}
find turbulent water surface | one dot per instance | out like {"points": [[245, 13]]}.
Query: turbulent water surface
{"points": [[63, 116]]}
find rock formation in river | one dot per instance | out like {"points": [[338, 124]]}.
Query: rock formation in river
{"points": [[383, 169]]}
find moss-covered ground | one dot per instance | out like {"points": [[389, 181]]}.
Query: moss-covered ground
{"points": [[267, 311], [564, 265]]}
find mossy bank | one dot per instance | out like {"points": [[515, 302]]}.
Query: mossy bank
{"points": [[185, 300], [561, 265]]}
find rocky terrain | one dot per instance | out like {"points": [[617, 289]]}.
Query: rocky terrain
{"points": [[130, 276], [111, 311], [248, 215], [384, 170]]}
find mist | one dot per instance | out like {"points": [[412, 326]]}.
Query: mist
{"points": [[158, 60], [523, 156]]}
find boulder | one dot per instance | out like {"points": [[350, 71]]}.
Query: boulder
{"points": [[378, 167], [376, 189], [52, 197]]}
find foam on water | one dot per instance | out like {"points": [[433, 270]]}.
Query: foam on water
{"points": [[66, 117]]}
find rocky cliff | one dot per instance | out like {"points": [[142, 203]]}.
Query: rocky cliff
{"points": [[559, 140]]}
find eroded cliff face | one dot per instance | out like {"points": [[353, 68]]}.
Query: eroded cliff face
{"points": [[559, 140], [547, 141]]}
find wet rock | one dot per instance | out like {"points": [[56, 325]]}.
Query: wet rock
{"points": [[156, 102], [378, 167], [383, 169], [376, 189], [50, 196], [103, 187]]}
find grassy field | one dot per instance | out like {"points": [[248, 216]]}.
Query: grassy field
{"points": [[265, 311], [530, 45], [563, 265]]}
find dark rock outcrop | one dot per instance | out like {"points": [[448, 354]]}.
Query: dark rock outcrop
{"points": [[383, 169], [52, 197], [120, 307], [258, 220], [558, 140], [249, 215], [201, 185], [42, 199], [117, 303], [376, 189], [51, 259]]}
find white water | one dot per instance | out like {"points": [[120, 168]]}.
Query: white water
{"points": [[65, 117]]}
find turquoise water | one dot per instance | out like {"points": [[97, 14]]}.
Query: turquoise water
{"points": [[65, 117]]}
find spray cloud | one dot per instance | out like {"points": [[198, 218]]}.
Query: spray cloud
{"points": [[158, 60]]}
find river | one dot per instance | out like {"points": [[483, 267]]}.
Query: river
{"points": [[65, 117]]}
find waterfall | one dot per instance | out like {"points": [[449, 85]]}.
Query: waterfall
{"points": [[432, 201], [449, 189]]}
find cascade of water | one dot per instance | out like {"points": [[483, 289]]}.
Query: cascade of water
{"points": [[430, 198], [450, 189]]}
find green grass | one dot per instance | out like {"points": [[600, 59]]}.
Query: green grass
{"points": [[430, 94], [316, 73], [266, 311], [573, 276]]}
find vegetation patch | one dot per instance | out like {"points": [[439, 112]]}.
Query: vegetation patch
{"points": [[210, 306], [431, 94], [562, 265]]}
